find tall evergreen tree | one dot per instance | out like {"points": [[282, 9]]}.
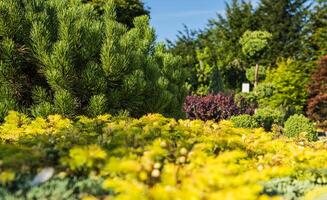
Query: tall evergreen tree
{"points": [[285, 20], [186, 46], [56, 56], [317, 32], [224, 34], [221, 37]]}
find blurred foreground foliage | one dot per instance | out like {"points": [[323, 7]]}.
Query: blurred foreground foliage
{"points": [[152, 157]]}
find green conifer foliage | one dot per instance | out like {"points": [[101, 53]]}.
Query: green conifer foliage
{"points": [[317, 28], [208, 76], [289, 90], [285, 20], [58, 57]]}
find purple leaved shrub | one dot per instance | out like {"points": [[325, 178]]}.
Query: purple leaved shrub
{"points": [[212, 107]]}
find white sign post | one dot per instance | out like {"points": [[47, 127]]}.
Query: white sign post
{"points": [[246, 87]]}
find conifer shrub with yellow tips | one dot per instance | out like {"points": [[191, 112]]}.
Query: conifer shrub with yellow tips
{"points": [[154, 157]]}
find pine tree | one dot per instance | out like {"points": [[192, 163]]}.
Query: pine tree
{"points": [[58, 57], [285, 20]]}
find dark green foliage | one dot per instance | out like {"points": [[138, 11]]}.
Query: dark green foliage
{"points": [[185, 46], [295, 29], [285, 20], [216, 84], [317, 32], [244, 121], [208, 77], [58, 57], [267, 116], [126, 10], [223, 39], [297, 125]]}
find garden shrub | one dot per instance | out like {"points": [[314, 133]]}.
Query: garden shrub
{"points": [[247, 102], [299, 124], [317, 102], [277, 129], [263, 92], [244, 121], [211, 107], [267, 116], [129, 158], [59, 57], [289, 188], [289, 80]]}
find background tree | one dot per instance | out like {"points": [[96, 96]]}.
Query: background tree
{"points": [[317, 90], [186, 46], [316, 38], [126, 11], [223, 35], [285, 20], [253, 43], [208, 76]]}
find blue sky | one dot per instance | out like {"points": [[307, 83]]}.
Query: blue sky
{"points": [[168, 16]]}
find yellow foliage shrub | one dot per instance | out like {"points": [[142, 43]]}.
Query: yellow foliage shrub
{"points": [[161, 158]]}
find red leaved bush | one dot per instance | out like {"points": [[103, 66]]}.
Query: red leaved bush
{"points": [[211, 107], [317, 102]]}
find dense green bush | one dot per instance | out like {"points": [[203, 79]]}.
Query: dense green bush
{"points": [[247, 102], [267, 116], [299, 124], [56, 56], [244, 121], [289, 81], [263, 92]]}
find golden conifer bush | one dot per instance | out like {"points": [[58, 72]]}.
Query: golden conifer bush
{"points": [[153, 157]]}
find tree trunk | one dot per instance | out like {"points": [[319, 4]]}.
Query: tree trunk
{"points": [[256, 78]]}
